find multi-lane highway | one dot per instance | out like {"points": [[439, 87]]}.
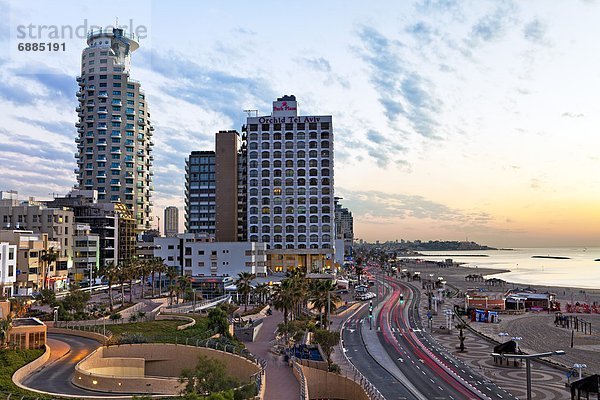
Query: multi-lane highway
{"points": [[411, 365]]}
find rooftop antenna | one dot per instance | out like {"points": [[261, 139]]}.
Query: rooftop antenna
{"points": [[116, 22], [250, 112]]}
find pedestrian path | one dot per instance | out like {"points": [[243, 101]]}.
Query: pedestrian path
{"points": [[547, 383], [281, 384]]}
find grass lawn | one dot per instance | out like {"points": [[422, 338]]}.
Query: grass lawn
{"points": [[12, 360], [163, 331]]}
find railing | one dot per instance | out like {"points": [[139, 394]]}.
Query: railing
{"points": [[303, 383], [191, 306]]}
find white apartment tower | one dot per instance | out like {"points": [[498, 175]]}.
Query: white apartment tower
{"points": [[114, 132], [290, 187]]}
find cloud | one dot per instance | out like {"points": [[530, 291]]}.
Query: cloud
{"points": [[209, 88], [493, 25], [322, 65], [572, 115], [403, 92], [535, 31]]}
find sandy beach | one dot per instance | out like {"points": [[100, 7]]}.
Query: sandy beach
{"points": [[537, 329]]}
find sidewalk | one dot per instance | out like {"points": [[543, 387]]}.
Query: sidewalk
{"points": [[281, 382]]}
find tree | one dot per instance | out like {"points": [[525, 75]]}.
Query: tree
{"points": [[217, 319], [144, 268], [184, 282], [244, 286], [323, 298], [48, 257], [283, 298], [122, 276], [461, 336], [327, 340], [209, 377], [46, 297], [261, 291], [358, 269], [5, 327], [76, 301], [111, 273], [171, 276]]}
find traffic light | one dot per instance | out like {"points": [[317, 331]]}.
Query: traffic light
{"points": [[401, 298]]}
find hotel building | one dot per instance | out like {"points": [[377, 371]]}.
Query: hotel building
{"points": [[290, 187], [114, 132]]}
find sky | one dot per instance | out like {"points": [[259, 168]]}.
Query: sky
{"points": [[453, 120]]}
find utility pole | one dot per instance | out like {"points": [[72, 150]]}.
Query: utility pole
{"points": [[371, 314]]}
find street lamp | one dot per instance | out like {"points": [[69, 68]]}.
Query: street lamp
{"points": [[579, 367], [528, 358]]}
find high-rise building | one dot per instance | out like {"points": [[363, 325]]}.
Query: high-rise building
{"points": [[114, 132], [200, 192], [344, 226], [171, 221], [290, 187], [227, 144]]}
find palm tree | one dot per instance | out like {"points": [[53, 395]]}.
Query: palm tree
{"points": [[110, 272], [323, 298], [5, 327], [171, 275], [161, 268], [184, 282], [262, 291], [244, 286], [282, 298], [122, 275], [144, 267], [48, 258]]}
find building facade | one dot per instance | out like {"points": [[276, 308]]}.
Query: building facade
{"points": [[8, 269], [200, 192], [344, 227], [57, 222], [86, 257], [200, 257], [114, 138], [227, 145], [112, 222], [291, 187], [171, 221]]}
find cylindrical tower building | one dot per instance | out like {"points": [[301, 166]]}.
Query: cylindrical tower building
{"points": [[114, 132]]}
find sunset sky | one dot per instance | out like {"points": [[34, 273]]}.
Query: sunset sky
{"points": [[453, 119]]}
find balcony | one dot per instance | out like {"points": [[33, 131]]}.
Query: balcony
{"points": [[76, 171], [101, 174], [115, 167], [78, 109], [90, 88], [103, 94], [116, 184], [116, 102], [116, 118], [102, 111], [79, 94], [76, 155], [78, 124], [89, 168], [141, 122], [102, 126], [116, 135], [115, 151]]}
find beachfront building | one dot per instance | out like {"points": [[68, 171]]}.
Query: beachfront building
{"points": [[344, 227], [200, 256], [114, 141], [8, 268], [290, 187]]}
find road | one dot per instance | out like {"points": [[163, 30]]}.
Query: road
{"points": [[56, 376], [420, 366]]}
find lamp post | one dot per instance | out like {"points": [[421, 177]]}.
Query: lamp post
{"points": [[528, 358], [579, 367]]}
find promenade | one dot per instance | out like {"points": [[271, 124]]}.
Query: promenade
{"points": [[281, 382]]}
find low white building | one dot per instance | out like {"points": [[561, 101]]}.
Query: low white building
{"points": [[8, 268], [197, 256]]}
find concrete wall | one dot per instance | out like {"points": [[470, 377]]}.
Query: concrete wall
{"points": [[24, 371], [162, 365], [328, 385], [189, 320], [74, 332]]}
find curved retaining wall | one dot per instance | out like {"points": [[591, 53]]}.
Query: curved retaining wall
{"points": [[75, 332], [150, 367], [24, 371], [190, 321], [328, 385]]}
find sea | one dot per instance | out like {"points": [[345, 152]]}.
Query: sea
{"points": [[577, 269]]}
